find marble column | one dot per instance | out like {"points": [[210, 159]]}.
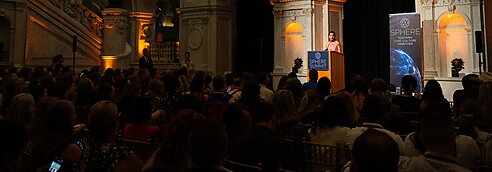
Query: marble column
{"points": [[115, 47]]}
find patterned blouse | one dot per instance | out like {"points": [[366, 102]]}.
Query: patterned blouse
{"points": [[103, 157]]}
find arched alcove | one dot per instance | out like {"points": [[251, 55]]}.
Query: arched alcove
{"points": [[5, 41], [294, 44], [453, 42]]}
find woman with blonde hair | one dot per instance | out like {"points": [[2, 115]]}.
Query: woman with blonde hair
{"points": [[285, 119], [102, 154], [21, 110]]}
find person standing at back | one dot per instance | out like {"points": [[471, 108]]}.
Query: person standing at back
{"points": [[145, 62]]}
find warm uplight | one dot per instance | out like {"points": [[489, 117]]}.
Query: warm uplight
{"points": [[294, 28], [453, 41], [108, 61]]}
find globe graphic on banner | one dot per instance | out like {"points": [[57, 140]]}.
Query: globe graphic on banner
{"points": [[402, 64]]}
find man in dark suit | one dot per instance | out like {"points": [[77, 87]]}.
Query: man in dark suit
{"points": [[145, 62]]}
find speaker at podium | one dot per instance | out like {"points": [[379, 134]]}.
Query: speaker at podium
{"points": [[329, 64]]}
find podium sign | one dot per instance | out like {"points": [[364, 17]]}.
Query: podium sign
{"points": [[318, 60]]}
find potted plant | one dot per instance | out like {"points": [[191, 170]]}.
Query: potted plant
{"points": [[457, 65]]}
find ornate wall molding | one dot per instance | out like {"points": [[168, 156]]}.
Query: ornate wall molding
{"points": [[292, 12], [194, 23], [446, 2], [81, 14]]}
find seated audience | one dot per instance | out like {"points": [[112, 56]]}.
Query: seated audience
{"points": [[439, 140], [261, 144], [376, 115], [333, 124], [237, 121], [14, 138], [406, 101], [52, 134], [102, 154], [139, 129], [469, 91], [286, 120], [208, 143], [374, 151]]}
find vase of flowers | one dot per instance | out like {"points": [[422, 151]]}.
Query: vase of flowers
{"points": [[457, 65]]}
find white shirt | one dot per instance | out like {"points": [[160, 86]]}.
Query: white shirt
{"points": [[431, 162], [329, 135], [353, 133], [467, 151], [266, 94]]}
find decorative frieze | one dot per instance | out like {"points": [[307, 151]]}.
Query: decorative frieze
{"points": [[446, 2], [293, 12], [196, 22]]}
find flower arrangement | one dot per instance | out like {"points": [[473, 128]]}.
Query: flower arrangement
{"points": [[457, 65]]}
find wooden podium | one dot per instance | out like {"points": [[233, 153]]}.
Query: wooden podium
{"points": [[334, 68]]}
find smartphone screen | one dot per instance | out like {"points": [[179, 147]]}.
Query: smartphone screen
{"points": [[56, 165]]}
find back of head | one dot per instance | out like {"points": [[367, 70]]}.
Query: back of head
{"points": [[156, 86], [58, 89], [262, 112], [375, 151], [408, 84], [313, 75], [236, 120], [359, 84], [261, 77], [208, 142], [374, 109], [102, 121], [433, 91], [333, 112], [378, 84], [324, 86], [467, 82], [437, 125], [218, 82], [284, 109], [14, 137], [21, 109], [189, 102], [141, 110], [230, 78]]}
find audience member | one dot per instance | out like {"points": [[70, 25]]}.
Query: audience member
{"points": [[334, 122], [237, 121], [286, 120], [208, 143], [140, 113], [376, 115], [14, 138], [102, 154], [374, 150], [324, 87], [469, 91], [313, 80], [432, 93], [265, 93], [406, 101], [438, 138], [21, 110]]}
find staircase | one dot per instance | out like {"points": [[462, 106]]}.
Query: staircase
{"points": [[49, 29]]}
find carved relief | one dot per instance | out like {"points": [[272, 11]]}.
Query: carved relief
{"points": [[81, 14], [294, 12], [6, 5], [194, 39], [119, 24], [196, 22], [446, 2]]}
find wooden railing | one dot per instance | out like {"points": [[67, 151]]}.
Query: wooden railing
{"points": [[165, 52]]}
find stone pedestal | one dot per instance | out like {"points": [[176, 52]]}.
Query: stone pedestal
{"points": [[206, 31], [115, 47]]}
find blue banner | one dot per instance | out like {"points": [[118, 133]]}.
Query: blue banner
{"points": [[318, 60], [405, 48]]}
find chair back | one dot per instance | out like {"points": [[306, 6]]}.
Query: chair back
{"points": [[141, 148], [81, 113], [322, 157], [238, 167]]}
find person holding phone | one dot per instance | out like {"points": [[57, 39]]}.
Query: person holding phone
{"points": [[52, 135]]}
